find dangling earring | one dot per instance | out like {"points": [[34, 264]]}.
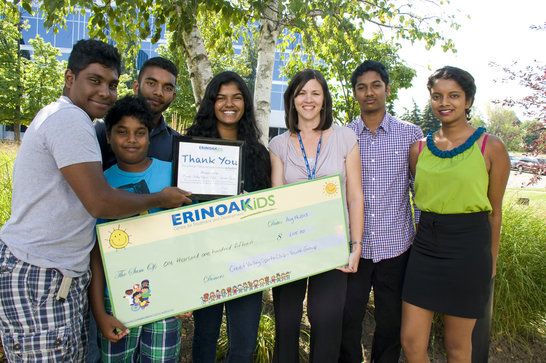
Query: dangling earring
{"points": [[467, 113]]}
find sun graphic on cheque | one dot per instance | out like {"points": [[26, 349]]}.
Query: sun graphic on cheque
{"points": [[330, 188], [118, 238]]}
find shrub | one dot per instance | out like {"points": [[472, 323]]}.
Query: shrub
{"points": [[264, 344], [520, 290], [266, 340]]}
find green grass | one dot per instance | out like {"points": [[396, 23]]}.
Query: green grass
{"points": [[520, 289], [7, 157], [537, 197]]}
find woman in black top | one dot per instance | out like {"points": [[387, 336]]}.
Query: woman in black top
{"points": [[227, 112]]}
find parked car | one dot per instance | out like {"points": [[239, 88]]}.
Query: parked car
{"points": [[531, 165], [513, 162], [542, 163]]}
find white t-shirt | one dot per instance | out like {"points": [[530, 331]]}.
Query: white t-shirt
{"points": [[49, 226]]}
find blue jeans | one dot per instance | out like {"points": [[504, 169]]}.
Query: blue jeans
{"points": [[243, 317]]}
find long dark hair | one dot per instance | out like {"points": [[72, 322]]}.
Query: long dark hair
{"points": [[257, 163]]}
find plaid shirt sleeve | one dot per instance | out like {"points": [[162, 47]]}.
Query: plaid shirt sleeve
{"points": [[386, 182]]}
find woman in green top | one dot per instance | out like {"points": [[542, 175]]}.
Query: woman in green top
{"points": [[460, 177]]}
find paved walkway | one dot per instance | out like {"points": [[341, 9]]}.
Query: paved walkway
{"points": [[520, 180]]}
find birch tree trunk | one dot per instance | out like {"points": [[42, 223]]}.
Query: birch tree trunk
{"points": [[197, 60], [267, 42]]}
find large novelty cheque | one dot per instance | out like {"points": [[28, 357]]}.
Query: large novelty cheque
{"points": [[166, 263]]}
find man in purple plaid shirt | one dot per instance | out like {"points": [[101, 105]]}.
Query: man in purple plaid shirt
{"points": [[389, 227]]}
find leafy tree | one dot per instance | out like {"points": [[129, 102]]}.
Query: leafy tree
{"points": [[390, 108], [506, 125], [128, 22], [539, 145], [43, 79], [12, 63], [131, 20], [250, 54], [429, 122], [424, 119], [532, 77], [222, 52], [27, 84], [477, 121], [125, 86], [182, 110], [332, 33], [413, 116], [337, 61], [531, 137]]}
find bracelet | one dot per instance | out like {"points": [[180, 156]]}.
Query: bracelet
{"points": [[351, 243]]}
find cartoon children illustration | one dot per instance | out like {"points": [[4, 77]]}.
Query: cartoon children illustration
{"points": [[145, 293], [142, 294], [136, 298], [129, 296]]}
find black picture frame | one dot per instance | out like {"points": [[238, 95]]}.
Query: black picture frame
{"points": [[204, 170]]}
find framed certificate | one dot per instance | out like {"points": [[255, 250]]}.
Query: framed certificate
{"points": [[208, 168]]}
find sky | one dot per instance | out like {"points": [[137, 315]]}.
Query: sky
{"points": [[497, 31]]}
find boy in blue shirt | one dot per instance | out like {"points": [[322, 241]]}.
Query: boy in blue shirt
{"points": [[128, 125]]}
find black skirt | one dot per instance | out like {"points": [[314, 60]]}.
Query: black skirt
{"points": [[450, 264]]}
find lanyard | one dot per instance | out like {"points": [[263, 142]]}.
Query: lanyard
{"points": [[310, 175]]}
